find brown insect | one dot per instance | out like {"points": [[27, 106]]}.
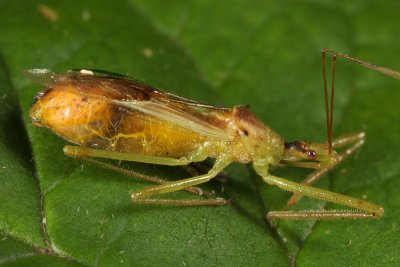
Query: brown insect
{"points": [[117, 117]]}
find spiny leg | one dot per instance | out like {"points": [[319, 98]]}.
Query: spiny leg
{"points": [[143, 196], [320, 215], [363, 208], [141, 176], [354, 140]]}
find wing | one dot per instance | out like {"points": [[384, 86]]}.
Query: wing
{"points": [[136, 95]]}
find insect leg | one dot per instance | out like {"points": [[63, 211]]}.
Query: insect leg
{"points": [[143, 196], [78, 151], [355, 141], [197, 168], [138, 175], [363, 208]]}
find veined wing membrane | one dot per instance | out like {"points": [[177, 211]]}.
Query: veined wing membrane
{"points": [[183, 118], [136, 95]]}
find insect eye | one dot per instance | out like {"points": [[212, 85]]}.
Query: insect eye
{"points": [[312, 154]]}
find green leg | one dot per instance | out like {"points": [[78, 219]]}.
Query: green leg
{"points": [[78, 151], [143, 196], [201, 167], [141, 176], [364, 209]]}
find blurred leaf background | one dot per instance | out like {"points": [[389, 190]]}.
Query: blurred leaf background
{"points": [[56, 211]]}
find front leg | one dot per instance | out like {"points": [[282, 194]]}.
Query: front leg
{"points": [[364, 209]]}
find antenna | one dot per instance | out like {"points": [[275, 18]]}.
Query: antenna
{"points": [[329, 106]]}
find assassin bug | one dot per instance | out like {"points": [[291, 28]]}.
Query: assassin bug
{"points": [[117, 117]]}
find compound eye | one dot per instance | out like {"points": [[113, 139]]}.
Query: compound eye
{"points": [[312, 154]]}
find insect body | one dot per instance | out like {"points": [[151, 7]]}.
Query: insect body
{"points": [[126, 116], [116, 117]]}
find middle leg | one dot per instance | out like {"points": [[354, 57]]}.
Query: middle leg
{"points": [[140, 176], [144, 196]]}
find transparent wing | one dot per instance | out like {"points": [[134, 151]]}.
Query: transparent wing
{"points": [[205, 123], [42, 76], [136, 95]]}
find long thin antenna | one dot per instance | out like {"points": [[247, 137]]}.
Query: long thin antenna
{"points": [[332, 102], [329, 113]]}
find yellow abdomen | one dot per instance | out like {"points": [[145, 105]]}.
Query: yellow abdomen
{"points": [[99, 124]]}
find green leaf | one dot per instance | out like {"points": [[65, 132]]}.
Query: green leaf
{"points": [[59, 211]]}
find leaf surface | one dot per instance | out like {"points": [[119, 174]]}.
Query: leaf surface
{"points": [[60, 211]]}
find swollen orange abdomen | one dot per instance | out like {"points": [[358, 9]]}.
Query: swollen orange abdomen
{"points": [[74, 117], [100, 124]]}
